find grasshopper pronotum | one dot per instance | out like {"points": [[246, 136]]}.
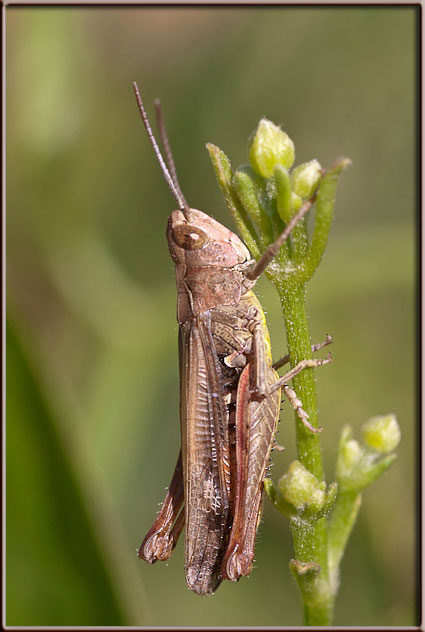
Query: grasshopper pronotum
{"points": [[230, 393]]}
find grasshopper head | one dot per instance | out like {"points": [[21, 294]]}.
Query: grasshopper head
{"points": [[196, 239]]}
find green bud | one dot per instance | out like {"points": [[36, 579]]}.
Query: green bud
{"points": [[349, 455], [305, 178], [382, 433], [270, 147], [301, 488]]}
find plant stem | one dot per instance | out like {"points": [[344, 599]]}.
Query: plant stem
{"points": [[309, 536], [292, 299], [263, 198], [340, 525]]}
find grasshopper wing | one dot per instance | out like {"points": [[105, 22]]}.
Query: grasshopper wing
{"points": [[205, 452]]}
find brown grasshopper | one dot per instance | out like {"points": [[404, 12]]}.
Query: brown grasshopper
{"points": [[230, 393]]}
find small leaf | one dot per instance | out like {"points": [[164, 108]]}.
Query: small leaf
{"points": [[270, 490], [276, 498], [224, 175], [331, 496], [365, 474], [349, 455], [283, 193], [303, 568], [324, 212], [248, 187]]}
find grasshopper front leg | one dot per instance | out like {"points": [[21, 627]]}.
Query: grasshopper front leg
{"points": [[162, 537]]}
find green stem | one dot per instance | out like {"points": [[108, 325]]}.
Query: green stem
{"points": [[320, 613], [310, 570], [309, 536], [261, 206], [340, 525], [292, 298]]}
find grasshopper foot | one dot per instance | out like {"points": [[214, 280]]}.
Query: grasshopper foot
{"points": [[236, 565], [156, 546]]}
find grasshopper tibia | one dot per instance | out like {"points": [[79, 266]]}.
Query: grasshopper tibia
{"points": [[291, 394], [304, 364], [298, 407], [319, 345]]}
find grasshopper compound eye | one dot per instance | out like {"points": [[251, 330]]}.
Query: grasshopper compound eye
{"points": [[189, 237]]}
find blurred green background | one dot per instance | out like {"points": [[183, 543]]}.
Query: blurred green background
{"points": [[92, 381]]}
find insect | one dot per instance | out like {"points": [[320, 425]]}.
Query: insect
{"points": [[230, 393]]}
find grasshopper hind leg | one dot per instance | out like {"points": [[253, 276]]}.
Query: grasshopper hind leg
{"points": [[256, 424], [162, 537]]}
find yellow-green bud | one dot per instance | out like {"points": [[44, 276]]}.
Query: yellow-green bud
{"points": [[349, 455], [301, 488], [382, 433], [305, 178], [270, 147]]}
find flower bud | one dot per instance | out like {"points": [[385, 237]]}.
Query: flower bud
{"points": [[301, 488], [382, 433], [270, 147], [305, 178]]}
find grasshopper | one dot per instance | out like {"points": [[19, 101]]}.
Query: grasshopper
{"points": [[230, 393]]}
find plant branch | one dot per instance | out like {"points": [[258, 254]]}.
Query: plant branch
{"points": [[264, 199]]}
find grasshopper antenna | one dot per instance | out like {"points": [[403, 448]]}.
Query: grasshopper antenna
{"points": [[167, 149], [176, 192]]}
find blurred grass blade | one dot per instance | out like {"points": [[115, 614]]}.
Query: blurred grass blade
{"points": [[56, 571]]}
